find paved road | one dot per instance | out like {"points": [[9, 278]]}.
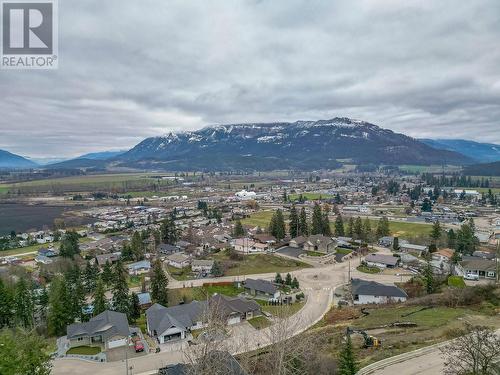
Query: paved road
{"points": [[318, 285], [427, 364]]}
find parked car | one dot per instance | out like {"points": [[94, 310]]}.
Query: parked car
{"points": [[471, 276], [138, 346]]}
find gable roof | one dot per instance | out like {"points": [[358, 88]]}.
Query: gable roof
{"points": [[260, 285], [108, 324], [479, 264], [382, 258], [161, 318], [231, 305], [372, 288]]}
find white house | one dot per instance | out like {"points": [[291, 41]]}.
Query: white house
{"points": [[366, 292], [178, 260], [200, 265], [381, 261]]}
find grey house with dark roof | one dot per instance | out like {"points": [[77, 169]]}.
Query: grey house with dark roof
{"points": [[109, 329], [365, 292], [261, 288]]}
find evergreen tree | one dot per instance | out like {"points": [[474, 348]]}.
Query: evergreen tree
{"points": [[277, 225], [466, 241], [24, 305], [137, 246], [436, 232], [428, 276], [91, 274], [100, 302], [347, 362], [43, 303], [288, 279], [69, 245], [6, 305], [395, 244], [60, 309], [120, 289], [367, 231], [339, 226], [294, 222], [451, 239], [383, 227], [295, 283], [169, 232], [303, 227], [238, 231], [317, 220], [350, 227], [134, 311], [159, 284], [327, 231], [358, 228], [216, 270], [127, 254], [107, 273], [78, 298], [278, 279]]}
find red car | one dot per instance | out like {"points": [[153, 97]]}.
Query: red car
{"points": [[138, 346]]}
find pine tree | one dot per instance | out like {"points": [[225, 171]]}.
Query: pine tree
{"points": [[78, 298], [238, 231], [91, 274], [358, 228], [383, 227], [295, 283], [367, 230], [303, 227], [288, 279], [278, 279], [339, 226], [24, 305], [60, 312], [277, 225], [395, 244], [120, 289], [107, 273], [350, 227], [294, 222], [436, 232], [452, 239], [100, 302], [347, 362], [159, 284], [317, 220], [216, 270], [69, 245], [137, 246], [134, 311], [428, 276], [327, 231], [168, 230], [6, 305]]}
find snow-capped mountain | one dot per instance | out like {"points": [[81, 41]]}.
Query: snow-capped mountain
{"points": [[299, 145]]}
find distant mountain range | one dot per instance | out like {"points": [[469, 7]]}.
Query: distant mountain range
{"points": [[483, 169], [302, 145], [480, 152], [13, 161]]}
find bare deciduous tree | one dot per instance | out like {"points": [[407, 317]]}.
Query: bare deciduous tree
{"points": [[475, 353]]}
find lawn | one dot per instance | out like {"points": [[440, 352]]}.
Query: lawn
{"points": [[186, 295], [228, 290], [259, 322], [343, 251], [456, 281], [261, 219], [181, 274], [134, 281], [400, 228], [282, 311], [258, 263], [84, 350], [314, 253], [367, 269], [141, 323]]}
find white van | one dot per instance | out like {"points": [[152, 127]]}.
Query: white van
{"points": [[471, 276]]}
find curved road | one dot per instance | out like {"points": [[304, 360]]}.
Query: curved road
{"points": [[317, 283]]}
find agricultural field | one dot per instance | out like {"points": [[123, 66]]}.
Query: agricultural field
{"points": [[310, 196]]}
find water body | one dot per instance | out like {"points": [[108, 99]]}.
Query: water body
{"points": [[22, 217]]}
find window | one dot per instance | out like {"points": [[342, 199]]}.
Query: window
{"points": [[80, 339], [491, 274]]}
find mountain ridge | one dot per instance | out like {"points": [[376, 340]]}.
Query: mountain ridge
{"points": [[14, 161], [479, 151]]}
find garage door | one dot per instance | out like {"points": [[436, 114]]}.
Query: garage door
{"points": [[116, 343], [234, 320]]}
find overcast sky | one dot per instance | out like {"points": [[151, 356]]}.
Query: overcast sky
{"points": [[133, 69]]}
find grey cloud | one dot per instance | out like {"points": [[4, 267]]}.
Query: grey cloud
{"points": [[132, 70]]}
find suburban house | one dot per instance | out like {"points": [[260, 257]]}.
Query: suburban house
{"points": [[364, 292], [413, 249], [247, 245], [49, 253], [235, 309], [443, 255], [166, 249], [168, 324], [178, 260], [110, 258], [145, 301], [109, 329], [297, 241], [223, 359], [264, 238], [261, 289], [484, 268], [381, 261], [386, 241], [138, 268], [320, 243], [200, 265]]}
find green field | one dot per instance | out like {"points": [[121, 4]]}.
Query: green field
{"points": [[409, 168], [400, 228], [259, 322], [367, 269], [258, 263], [310, 196], [261, 219], [282, 311], [456, 281]]}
